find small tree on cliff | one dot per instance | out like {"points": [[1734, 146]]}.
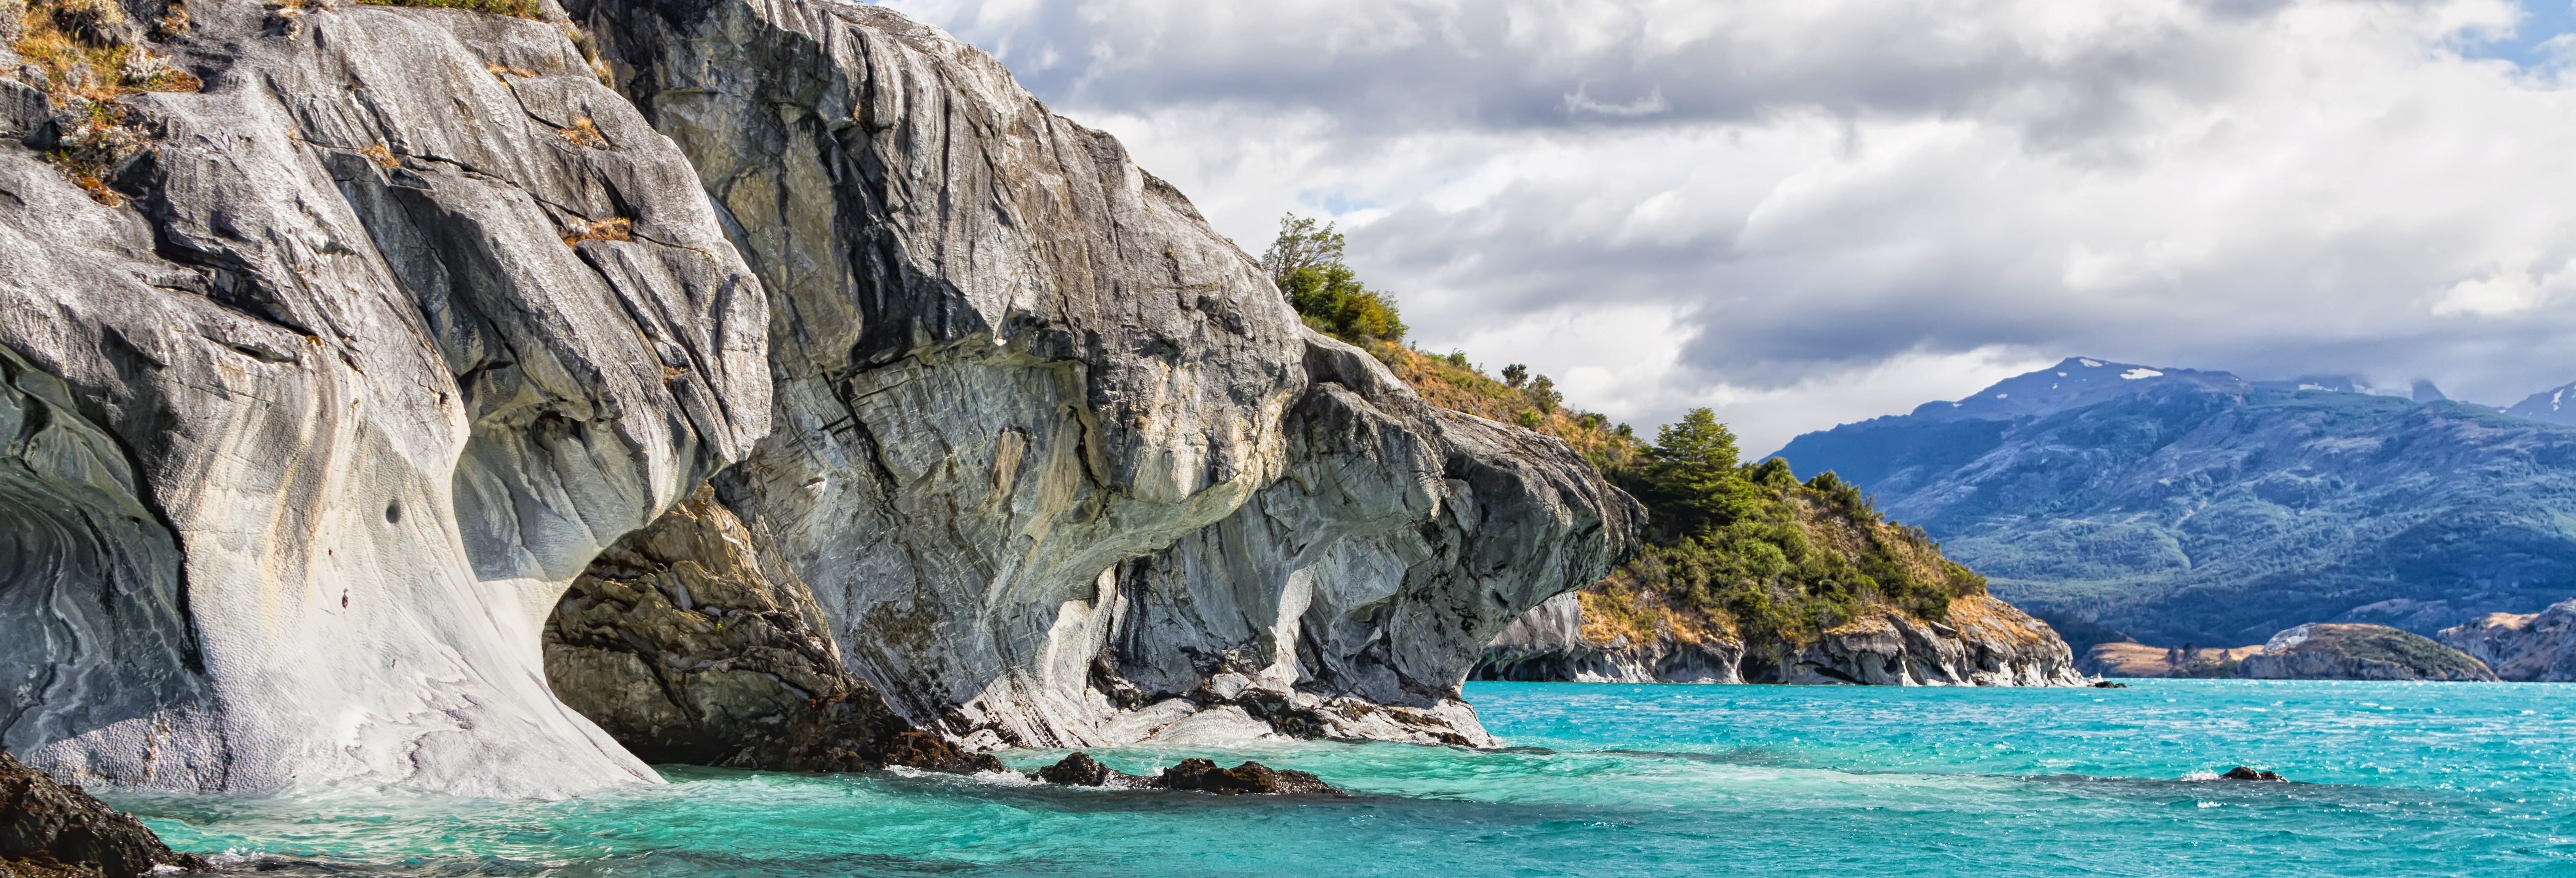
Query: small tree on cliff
{"points": [[1691, 478], [1306, 262]]}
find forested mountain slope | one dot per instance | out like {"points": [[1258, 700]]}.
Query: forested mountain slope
{"points": [[2176, 505]]}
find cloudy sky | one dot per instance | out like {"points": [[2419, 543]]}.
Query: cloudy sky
{"points": [[1809, 213]]}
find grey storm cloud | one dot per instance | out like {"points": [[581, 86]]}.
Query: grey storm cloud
{"points": [[1805, 213]]}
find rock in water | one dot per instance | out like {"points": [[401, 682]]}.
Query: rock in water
{"points": [[1059, 464], [48, 829], [1078, 770], [2322, 651], [2245, 773], [1250, 777], [302, 442]]}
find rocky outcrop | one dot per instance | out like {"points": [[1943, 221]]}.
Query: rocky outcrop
{"points": [[49, 830], [2524, 647], [1201, 775], [2326, 651], [1059, 465], [1548, 644], [389, 330], [689, 642], [316, 400], [1984, 642]]}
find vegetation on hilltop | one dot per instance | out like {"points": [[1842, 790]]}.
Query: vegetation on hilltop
{"points": [[1733, 550]]}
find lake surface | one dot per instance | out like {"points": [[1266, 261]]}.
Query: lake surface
{"points": [[2394, 779]]}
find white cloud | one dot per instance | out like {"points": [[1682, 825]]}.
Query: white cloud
{"points": [[1805, 213]]}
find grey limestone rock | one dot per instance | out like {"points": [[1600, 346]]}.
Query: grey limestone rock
{"points": [[1056, 459], [304, 440]]}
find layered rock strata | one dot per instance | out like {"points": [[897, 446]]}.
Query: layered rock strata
{"points": [[391, 328], [319, 399], [1984, 642], [1059, 465], [2525, 647]]}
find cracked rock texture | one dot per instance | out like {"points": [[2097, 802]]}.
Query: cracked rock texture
{"points": [[299, 445], [1059, 465], [1985, 642]]}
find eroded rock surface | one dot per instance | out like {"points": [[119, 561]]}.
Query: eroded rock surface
{"points": [[304, 439], [1058, 463], [1985, 642]]}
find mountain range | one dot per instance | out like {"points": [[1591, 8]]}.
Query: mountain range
{"points": [[2176, 505]]}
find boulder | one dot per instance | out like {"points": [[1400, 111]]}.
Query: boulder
{"points": [[1248, 778], [49, 829]]}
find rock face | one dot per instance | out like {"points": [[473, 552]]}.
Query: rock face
{"points": [[1985, 642], [315, 406], [2525, 647], [2321, 651], [48, 829], [304, 440], [1059, 465], [689, 642]]}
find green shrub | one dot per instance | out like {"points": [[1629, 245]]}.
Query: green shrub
{"points": [[1306, 262]]}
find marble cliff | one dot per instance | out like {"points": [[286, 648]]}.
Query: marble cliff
{"points": [[358, 352]]}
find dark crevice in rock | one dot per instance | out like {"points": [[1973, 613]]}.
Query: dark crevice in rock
{"points": [[680, 644]]}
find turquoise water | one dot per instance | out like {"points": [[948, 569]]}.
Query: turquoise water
{"points": [[2396, 779]]}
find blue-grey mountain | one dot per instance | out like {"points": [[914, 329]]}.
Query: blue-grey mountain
{"points": [[2175, 505]]}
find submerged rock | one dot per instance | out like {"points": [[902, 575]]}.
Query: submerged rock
{"points": [[1248, 778], [1081, 770], [1202, 775], [49, 829], [1985, 642], [2245, 773]]}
